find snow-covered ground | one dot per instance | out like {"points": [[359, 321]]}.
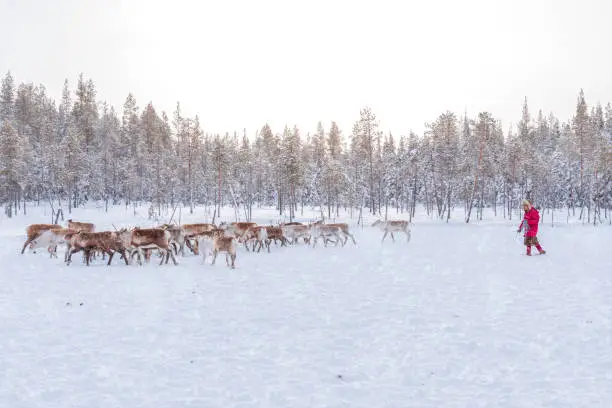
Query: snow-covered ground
{"points": [[458, 317]]}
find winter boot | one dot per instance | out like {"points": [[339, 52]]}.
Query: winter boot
{"points": [[540, 250], [528, 250]]}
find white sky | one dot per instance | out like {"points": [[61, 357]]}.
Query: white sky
{"points": [[244, 63]]}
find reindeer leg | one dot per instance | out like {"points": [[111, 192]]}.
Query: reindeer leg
{"points": [[53, 252], [215, 252], [110, 257], [132, 253], [407, 232], [69, 257], [87, 256], [392, 238], [30, 239], [384, 236], [124, 256], [171, 255], [233, 260], [140, 256]]}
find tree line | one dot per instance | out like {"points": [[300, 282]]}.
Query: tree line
{"points": [[82, 149]]}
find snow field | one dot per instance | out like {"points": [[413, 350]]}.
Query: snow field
{"points": [[458, 317]]}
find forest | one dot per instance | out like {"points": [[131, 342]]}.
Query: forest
{"points": [[78, 150]]}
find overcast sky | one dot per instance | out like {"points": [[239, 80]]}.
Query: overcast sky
{"points": [[244, 63]]}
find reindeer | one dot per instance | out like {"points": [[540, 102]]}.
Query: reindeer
{"points": [[85, 227], [238, 229], [292, 233], [51, 238], [225, 244], [81, 226], [259, 235], [34, 230], [177, 236], [276, 234], [107, 242], [392, 226], [344, 228], [194, 232], [152, 238], [318, 230], [205, 242]]}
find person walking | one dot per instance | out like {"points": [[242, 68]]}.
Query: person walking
{"points": [[530, 225]]}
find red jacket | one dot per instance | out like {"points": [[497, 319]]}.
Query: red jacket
{"points": [[532, 218]]}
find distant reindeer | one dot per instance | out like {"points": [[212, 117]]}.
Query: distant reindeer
{"points": [[344, 228], [33, 231], [326, 232], [51, 238], [392, 226], [237, 230], [81, 226], [216, 241]]}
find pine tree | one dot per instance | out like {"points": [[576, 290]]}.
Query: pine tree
{"points": [[334, 181], [12, 167], [7, 98], [131, 160], [581, 129], [445, 142], [369, 138]]}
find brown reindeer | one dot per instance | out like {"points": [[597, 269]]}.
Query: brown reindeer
{"points": [[238, 229], [107, 242], [259, 235], [193, 232], [276, 234], [34, 230], [221, 243], [152, 238], [190, 233], [205, 241], [81, 226]]}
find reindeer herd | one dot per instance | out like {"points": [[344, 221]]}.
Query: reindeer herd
{"points": [[171, 240]]}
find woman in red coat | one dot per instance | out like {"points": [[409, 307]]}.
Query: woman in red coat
{"points": [[530, 222]]}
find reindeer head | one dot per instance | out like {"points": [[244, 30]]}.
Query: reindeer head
{"points": [[124, 235], [377, 222]]}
